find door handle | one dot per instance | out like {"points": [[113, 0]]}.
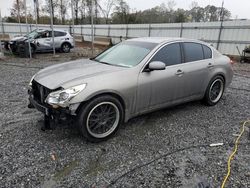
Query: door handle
{"points": [[210, 65], [179, 72]]}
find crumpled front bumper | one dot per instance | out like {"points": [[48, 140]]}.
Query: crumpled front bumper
{"points": [[47, 109], [33, 104]]}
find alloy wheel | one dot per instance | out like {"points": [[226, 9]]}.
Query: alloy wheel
{"points": [[216, 90], [66, 48], [103, 119]]}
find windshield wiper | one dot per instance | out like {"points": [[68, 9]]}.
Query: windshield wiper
{"points": [[117, 65], [103, 62], [100, 61]]}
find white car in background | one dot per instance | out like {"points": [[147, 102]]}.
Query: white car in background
{"points": [[41, 41]]}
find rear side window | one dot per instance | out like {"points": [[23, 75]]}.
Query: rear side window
{"points": [[59, 33], [170, 54], [207, 52], [192, 51]]}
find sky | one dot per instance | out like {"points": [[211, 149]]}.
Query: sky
{"points": [[239, 8]]}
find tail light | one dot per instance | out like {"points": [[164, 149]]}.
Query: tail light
{"points": [[231, 62]]}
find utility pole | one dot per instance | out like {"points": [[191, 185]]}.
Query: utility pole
{"points": [[35, 10], [221, 24], [1, 32], [27, 26], [2, 26], [73, 20], [52, 27], [18, 14], [92, 28]]}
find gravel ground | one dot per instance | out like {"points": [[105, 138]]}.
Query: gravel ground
{"points": [[172, 142]]}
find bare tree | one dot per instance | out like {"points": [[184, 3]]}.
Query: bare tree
{"points": [[76, 10], [37, 10], [171, 4], [122, 12], [106, 9], [96, 4], [89, 9], [196, 12], [82, 9], [53, 7], [18, 11], [63, 10], [194, 4]]}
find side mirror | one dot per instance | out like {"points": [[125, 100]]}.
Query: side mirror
{"points": [[156, 65]]}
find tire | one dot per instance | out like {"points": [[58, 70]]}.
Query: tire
{"points": [[214, 91], [92, 120], [65, 48], [33, 49], [14, 49]]}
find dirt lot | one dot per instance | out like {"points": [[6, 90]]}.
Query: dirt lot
{"points": [[167, 148]]}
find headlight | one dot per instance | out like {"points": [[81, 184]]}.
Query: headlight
{"points": [[63, 96], [30, 83]]}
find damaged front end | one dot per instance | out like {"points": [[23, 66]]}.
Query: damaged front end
{"points": [[55, 111]]}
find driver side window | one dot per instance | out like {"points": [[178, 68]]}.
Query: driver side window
{"points": [[169, 54], [44, 35]]}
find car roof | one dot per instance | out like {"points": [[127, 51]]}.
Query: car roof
{"points": [[41, 30], [159, 40]]}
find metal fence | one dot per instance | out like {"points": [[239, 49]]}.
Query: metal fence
{"points": [[226, 37]]}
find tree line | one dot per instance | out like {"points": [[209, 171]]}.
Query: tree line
{"points": [[111, 11]]}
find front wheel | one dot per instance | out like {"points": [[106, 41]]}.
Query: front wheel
{"points": [[33, 49], [214, 91], [100, 118]]}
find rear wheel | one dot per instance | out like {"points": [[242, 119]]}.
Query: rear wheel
{"points": [[214, 91], [65, 47], [100, 118]]}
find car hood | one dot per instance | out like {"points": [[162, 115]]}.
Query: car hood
{"points": [[22, 38], [72, 73]]}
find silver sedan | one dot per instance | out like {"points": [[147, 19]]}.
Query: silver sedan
{"points": [[134, 77]]}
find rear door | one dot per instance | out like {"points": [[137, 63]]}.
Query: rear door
{"points": [[195, 69], [59, 38]]}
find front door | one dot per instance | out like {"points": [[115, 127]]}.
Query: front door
{"points": [[161, 87], [44, 42]]}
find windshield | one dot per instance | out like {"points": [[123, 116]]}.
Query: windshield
{"points": [[32, 34], [127, 54]]}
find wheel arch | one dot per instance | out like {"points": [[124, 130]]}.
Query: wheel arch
{"points": [[218, 72], [113, 94], [33, 45], [211, 78], [223, 76], [66, 42]]}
